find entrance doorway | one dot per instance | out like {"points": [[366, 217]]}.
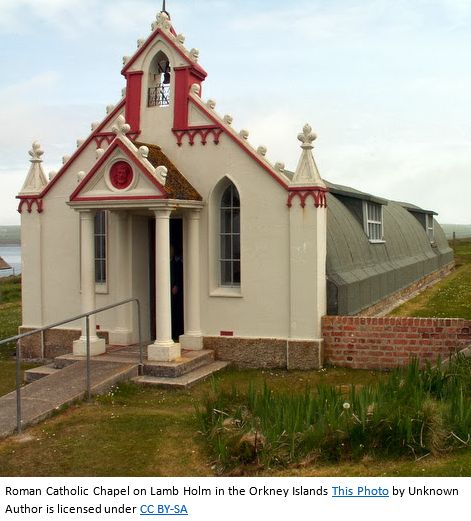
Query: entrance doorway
{"points": [[176, 277]]}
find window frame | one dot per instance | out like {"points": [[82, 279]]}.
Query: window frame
{"points": [[101, 285], [374, 222], [215, 289], [430, 230], [231, 236]]}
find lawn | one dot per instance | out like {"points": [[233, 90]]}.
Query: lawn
{"points": [[10, 319], [135, 431], [450, 297]]}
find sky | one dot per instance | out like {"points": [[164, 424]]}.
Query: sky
{"points": [[385, 85]]}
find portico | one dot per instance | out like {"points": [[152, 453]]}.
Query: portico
{"points": [[164, 348], [132, 181]]}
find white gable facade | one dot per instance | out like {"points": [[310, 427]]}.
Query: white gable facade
{"points": [[163, 170]]}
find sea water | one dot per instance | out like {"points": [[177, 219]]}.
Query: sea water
{"points": [[11, 254]]}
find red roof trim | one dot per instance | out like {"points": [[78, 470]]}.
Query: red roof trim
{"points": [[79, 150], [239, 142], [149, 40], [117, 143], [121, 198]]}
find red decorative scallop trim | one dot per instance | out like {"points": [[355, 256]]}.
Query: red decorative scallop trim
{"points": [[318, 194], [108, 137], [30, 202], [203, 132]]}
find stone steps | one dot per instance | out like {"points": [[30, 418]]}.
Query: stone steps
{"points": [[31, 375], [185, 380], [189, 361], [64, 381]]}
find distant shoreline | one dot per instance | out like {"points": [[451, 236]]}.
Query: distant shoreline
{"points": [[10, 235]]}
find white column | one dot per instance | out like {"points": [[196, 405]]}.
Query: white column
{"points": [[163, 349], [193, 338], [308, 239], [122, 335], [87, 271], [32, 269]]}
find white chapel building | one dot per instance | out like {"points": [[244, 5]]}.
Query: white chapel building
{"points": [[163, 176]]}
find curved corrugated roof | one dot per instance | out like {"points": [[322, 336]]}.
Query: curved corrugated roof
{"points": [[361, 273]]}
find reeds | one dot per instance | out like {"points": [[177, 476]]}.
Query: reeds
{"points": [[413, 411]]}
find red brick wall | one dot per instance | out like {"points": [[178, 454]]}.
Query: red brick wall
{"points": [[386, 342]]}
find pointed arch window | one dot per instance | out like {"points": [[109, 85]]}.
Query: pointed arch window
{"points": [[159, 81], [229, 237]]}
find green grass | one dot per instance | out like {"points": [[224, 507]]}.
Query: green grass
{"points": [[10, 312], [10, 320], [412, 412], [10, 289], [449, 298], [139, 431]]}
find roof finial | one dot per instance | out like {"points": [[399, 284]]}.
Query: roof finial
{"points": [[164, 9], [307, 173]]}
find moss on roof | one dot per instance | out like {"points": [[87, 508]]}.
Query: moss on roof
{"points": [[176, 186]]}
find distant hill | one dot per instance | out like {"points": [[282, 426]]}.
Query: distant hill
{"points": [[463, 231], [10, 235]]}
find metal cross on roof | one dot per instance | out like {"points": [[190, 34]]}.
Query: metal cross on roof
{"points": [[164, 8]]}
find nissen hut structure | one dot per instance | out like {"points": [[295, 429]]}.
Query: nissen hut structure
{"points": [[167, 202]]}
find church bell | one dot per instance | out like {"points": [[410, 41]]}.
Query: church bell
{"points": [[164, 67]]}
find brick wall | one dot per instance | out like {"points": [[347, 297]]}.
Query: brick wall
{"points": [[386, 342]]}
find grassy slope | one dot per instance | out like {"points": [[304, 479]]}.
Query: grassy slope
{"points": [[138, 431], [150, 432], [10, 319], [450, 297]]}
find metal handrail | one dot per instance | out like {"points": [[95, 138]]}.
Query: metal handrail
{"points": [[61, 323]]}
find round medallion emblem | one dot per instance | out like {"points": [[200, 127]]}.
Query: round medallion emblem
{"points": [[121, 175]]}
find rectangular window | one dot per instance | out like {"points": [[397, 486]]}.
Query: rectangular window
{"points": [[429, 227], [100, 246], [373, 221]]}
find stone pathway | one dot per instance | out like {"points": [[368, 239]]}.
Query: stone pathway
{"points": [[41, 398], [64, 381]]}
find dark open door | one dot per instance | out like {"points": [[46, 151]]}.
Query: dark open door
{"points": [[176, 277]]}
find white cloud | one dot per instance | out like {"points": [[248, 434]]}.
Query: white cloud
{"points": [[76, 18], [24, 90], [384, 84]]}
